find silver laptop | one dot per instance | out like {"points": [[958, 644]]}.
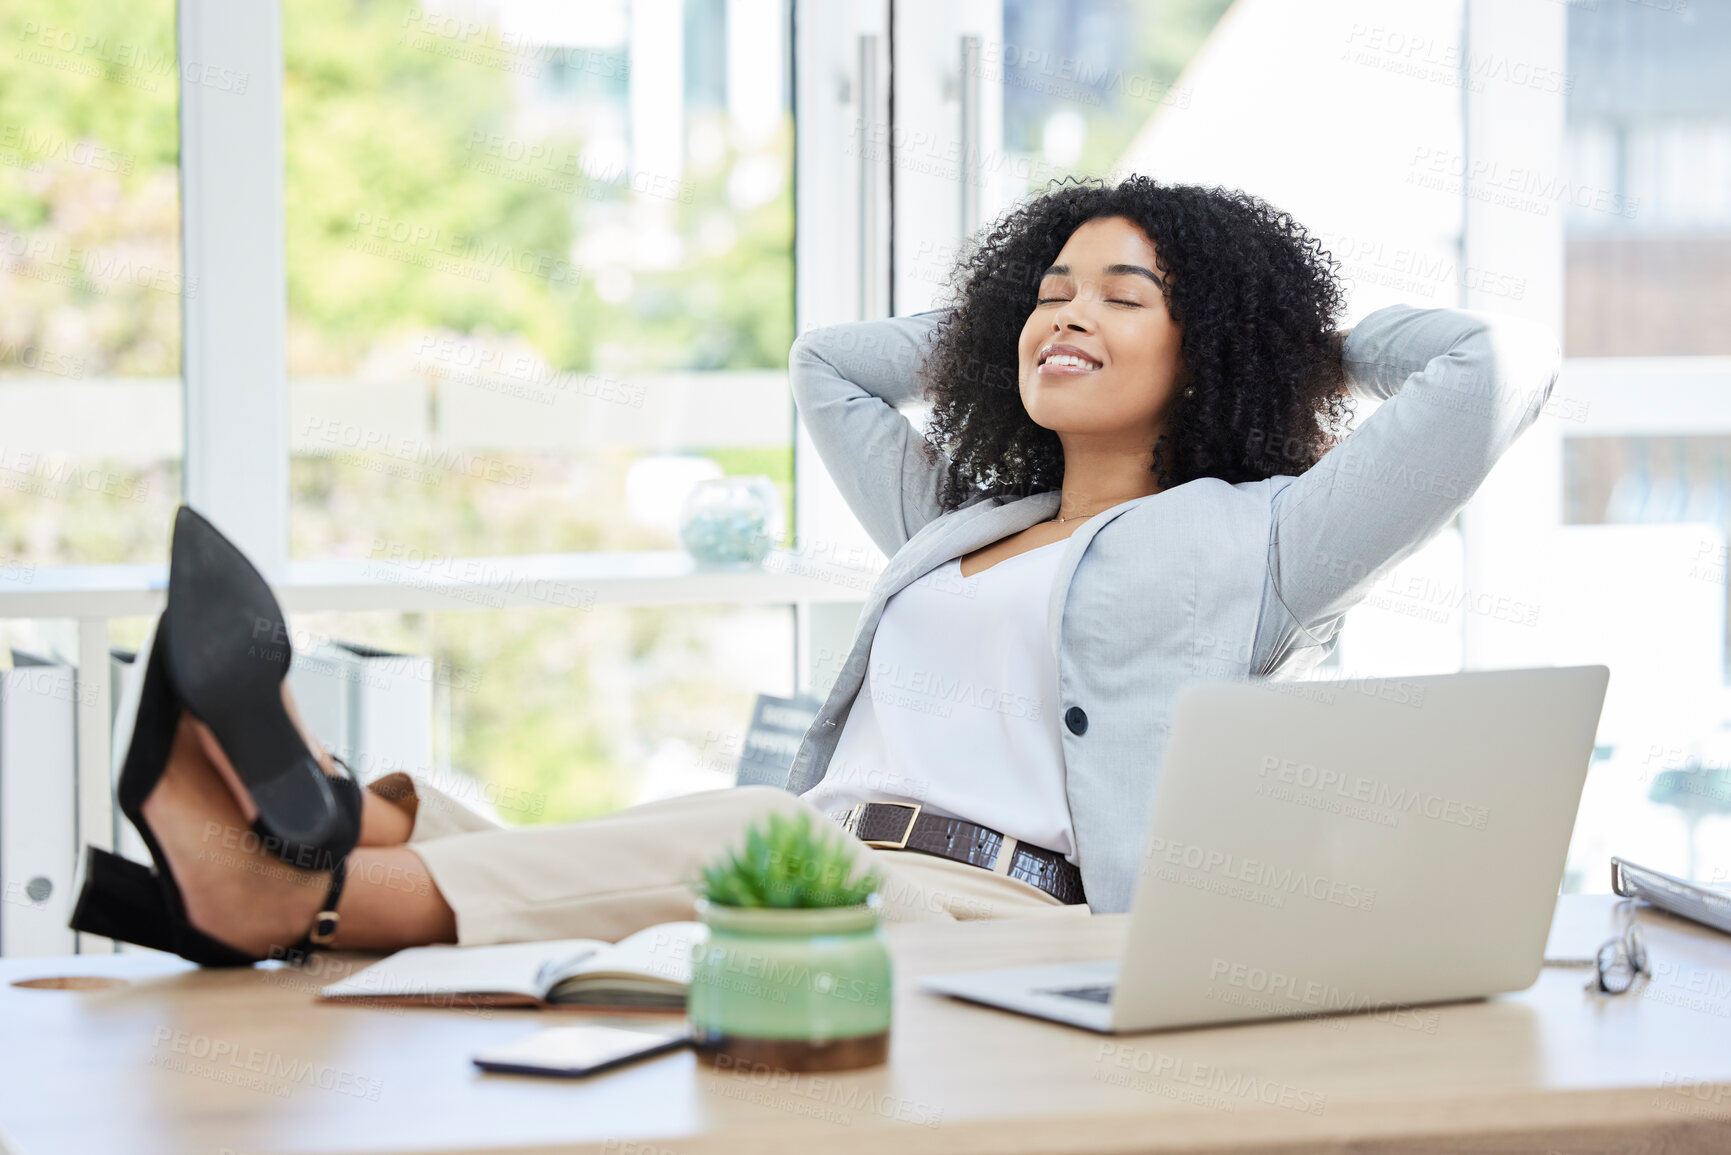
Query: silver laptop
{"points": [[1327, 847]]}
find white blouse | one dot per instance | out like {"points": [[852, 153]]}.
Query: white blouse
{"points": [[961, 712]]}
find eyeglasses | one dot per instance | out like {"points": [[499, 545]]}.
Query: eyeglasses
{"points": [[1619, 962], [1621, 959]]}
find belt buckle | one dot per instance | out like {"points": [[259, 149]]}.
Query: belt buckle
{"points": [[889, 843]]}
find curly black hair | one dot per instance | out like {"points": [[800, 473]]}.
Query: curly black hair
{"points": [[1261, 387]]}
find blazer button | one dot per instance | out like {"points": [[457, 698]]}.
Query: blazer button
{"points": [[1076, 719]]}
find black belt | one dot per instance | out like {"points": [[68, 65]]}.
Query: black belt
{"points": [[905, 826]]}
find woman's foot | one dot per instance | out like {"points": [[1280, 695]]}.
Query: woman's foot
{"points": [[233, 888], [237, 890]]}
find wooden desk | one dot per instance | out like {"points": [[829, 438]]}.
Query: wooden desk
{"points": [[188, 1062]]}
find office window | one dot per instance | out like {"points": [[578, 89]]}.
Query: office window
{"points": [[540, 280], [1647, 272], [1082, 79], [90, 277], [1649, 144], [545, 716], [539, 269]]}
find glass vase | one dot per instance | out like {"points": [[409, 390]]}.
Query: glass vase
{"points": [[731, 522]]}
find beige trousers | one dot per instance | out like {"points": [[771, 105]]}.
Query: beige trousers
{"points": [[611, 876]]}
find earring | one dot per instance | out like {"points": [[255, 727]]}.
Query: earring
{"points": [[1190, 391]]}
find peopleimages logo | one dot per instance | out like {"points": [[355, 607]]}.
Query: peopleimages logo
{"points": [[1166, 1073], [1257, 873], [1243, 984], [1320, 786], [921, 683]]}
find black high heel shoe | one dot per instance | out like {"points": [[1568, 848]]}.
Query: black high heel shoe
{"points": [[125, 900], [227, 652], [220, 652]]}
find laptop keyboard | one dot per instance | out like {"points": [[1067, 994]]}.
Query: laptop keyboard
{"points": [[1101, 993]]}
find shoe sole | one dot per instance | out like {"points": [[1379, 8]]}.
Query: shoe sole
{"points": [[228, 653]]}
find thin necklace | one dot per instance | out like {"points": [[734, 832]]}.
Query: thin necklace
{"points": [[1074, 516], [1089, 515]]}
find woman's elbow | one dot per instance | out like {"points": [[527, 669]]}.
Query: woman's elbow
{"points": [[1526, 352], [1517, 364], [807, 366]]}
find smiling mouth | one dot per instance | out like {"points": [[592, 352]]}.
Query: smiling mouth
{"points": [[1060, 363]]}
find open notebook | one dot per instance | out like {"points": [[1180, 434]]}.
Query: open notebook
{"points": [[648, 971]]}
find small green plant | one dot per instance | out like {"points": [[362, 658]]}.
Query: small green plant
{"points": [[788, 866]]}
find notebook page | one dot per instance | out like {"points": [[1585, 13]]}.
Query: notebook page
{"points": [[661, 952], [509, 968]]}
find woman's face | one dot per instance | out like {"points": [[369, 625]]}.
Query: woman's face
{"points": [[1099, 353]]}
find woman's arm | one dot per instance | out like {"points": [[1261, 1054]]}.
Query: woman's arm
{"points": [[1457, 387], [846, 381]]}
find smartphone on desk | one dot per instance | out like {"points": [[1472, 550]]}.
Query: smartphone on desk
{"points": [[572, 1052]]}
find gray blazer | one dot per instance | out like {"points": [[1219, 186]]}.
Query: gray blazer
{"points": [[1203, 580]]}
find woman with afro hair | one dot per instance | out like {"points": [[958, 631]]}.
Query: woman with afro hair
{"points": [[1136, 474]]}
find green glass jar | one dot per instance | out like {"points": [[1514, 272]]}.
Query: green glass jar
{"points": [[796, 990]]}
